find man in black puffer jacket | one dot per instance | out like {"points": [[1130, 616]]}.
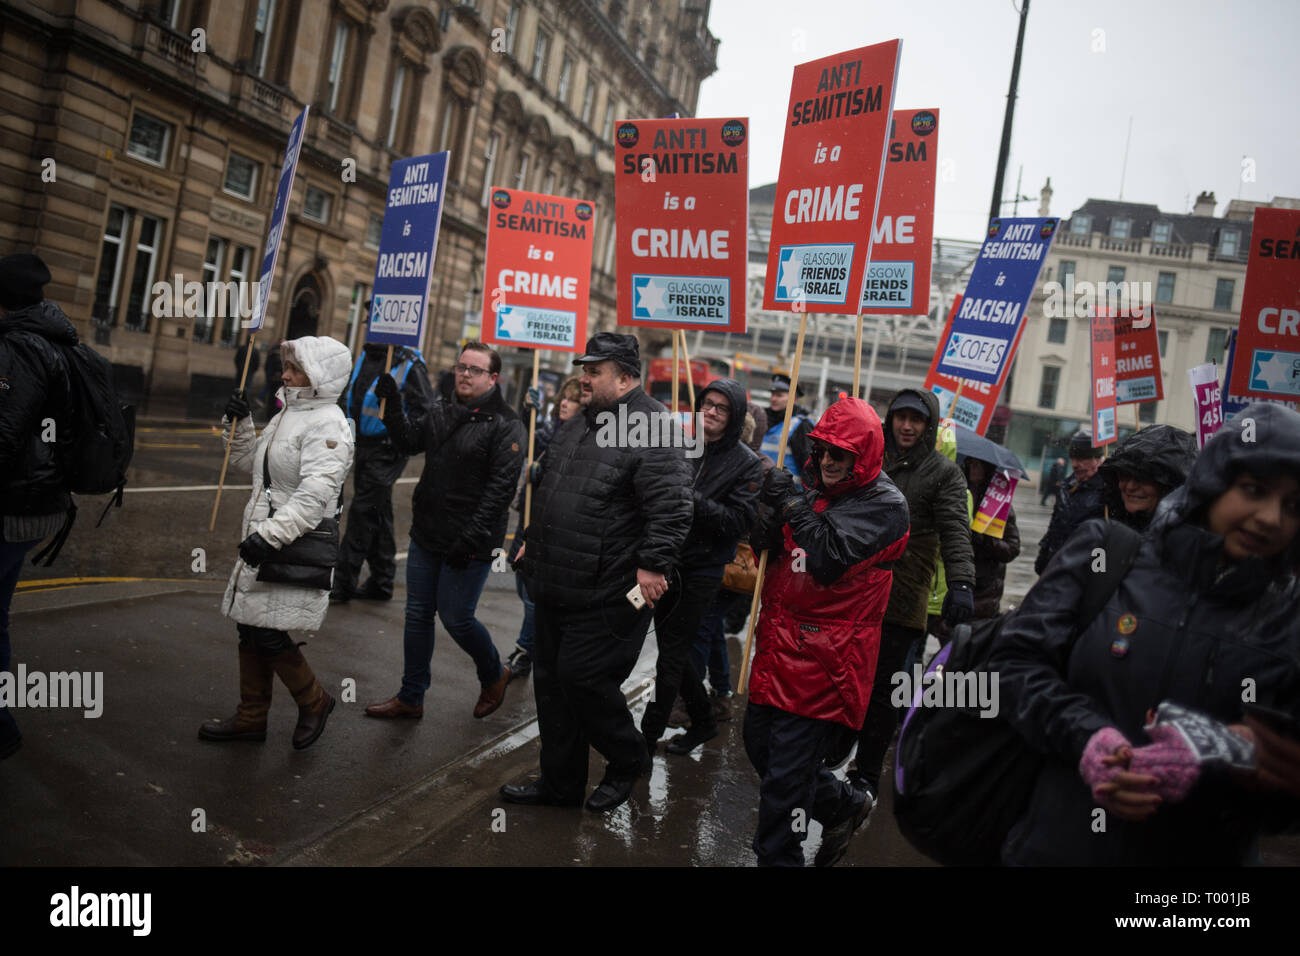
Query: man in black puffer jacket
{"points": [[725, 491], [610, 513], [473, 452], [34, 392]]}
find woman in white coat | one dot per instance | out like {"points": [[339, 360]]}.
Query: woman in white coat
{"points": [[307, 448]]}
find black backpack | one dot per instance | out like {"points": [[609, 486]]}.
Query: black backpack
{"points": [[962, 781], [103, 439]]}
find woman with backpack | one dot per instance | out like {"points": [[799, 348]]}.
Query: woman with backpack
{"points": [[1206, 620], [298, 464]]}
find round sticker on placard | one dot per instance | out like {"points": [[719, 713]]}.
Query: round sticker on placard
{"points": [[501, 198], [924, 123], [627, 135], [583, 211], [995, 227], [1049, 227], [733, 132]]}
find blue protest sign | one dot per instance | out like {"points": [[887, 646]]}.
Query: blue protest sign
{"points": [[279, 214], [986, 328], [407, 246]]}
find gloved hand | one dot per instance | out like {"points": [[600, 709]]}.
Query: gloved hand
{"points": [[457, 556], [958, 604], [533, 399], [778, 488], [535, 473], [1099, 764], [237, 406], [386, 390], [255, 549], [1170, 760]]}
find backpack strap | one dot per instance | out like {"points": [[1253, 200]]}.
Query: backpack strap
{"points": [[51, 550], [1120, 546]]}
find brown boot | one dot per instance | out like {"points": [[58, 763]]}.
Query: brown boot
{"points": [[256, 678], [314, 704]]}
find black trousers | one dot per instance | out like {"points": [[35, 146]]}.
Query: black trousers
{"points": [[369, 533], [267, 641], [882, 719], [677, 618], [789, 752], [581, 658]]}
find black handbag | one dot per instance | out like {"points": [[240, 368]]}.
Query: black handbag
{"points": [[308, 561]]}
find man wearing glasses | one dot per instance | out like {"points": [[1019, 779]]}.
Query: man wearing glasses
{"points": [[473, 445]]}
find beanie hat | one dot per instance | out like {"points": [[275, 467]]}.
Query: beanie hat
{"points": [[22, 280]]}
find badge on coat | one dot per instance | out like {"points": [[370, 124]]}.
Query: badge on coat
{"points": [[1127, 624]]}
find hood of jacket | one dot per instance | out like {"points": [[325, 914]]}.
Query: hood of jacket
{"points": [[734, 393], [929, 438], [328, 365], [44, 319], [853, 425], [1262, 439], [1161, 454]]}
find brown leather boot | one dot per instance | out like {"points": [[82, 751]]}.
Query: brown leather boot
{"points": [[314, 704], [256, 679]]}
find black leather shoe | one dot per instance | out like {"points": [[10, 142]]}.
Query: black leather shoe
{"points": [[535, 795], [836, 836], [520, 664], [685, 743], [609, 795]]}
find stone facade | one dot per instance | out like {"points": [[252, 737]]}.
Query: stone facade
{"points": [[142, 142]]}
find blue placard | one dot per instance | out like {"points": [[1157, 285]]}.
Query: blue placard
{"points": [[997, 295], [407, 246], [279, 214]]}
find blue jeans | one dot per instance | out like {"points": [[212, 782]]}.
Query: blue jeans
{"points": [[710, 648], [11, 565], [450, 595], [527, 630]]}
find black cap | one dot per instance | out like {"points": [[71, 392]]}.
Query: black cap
{"points": [[910, 400], [610, 346], [22, 280], [1081, 445]]}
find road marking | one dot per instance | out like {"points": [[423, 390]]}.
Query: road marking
{"points": [[178, 431], [55, 584], [171, 488], [149, 444]]}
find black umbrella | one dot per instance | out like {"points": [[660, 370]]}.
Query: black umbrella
{"points": [[971, 445]]}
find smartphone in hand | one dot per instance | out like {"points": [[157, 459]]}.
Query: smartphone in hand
{"points": [[635, 597]]}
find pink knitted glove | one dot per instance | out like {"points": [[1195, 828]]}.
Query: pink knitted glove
{"points": [[1103, 743], [1170, 760]]}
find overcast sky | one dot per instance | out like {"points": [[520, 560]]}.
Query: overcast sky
{"points": [[1206, 83]]}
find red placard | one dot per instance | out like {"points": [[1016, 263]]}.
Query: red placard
{"points": [[828, 191], [978, 401], [898, 279], [1137, 357], [1102, 326], [538, 270], [1267, 364], [681, 198]]}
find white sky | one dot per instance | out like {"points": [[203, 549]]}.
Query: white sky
{"points": [[1206, 83]]}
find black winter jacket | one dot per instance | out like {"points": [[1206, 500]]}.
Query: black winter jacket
{"points": [[602, 510], [473, 454], [1076, 502], [417, 393], [1181, 627], [935, 489], [1161, 454], [725, 489], [34, 387]]}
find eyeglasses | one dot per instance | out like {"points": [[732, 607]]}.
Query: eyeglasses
{"points": [[721, 408], [473, 371], [831, 452]]}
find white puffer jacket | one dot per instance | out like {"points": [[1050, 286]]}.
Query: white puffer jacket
{"points": [[310, 444]]}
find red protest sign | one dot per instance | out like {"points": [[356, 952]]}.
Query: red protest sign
{"points": [[828, 190], [1267, 364], [538, 270], [1103, 378], [898, 279], [681, 200], [1137, 357], [974, 409]]}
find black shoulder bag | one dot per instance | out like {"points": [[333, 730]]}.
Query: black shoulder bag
{"points": [[307, 562]]}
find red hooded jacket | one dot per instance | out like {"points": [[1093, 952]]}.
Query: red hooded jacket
{"points": [[819, 628]]}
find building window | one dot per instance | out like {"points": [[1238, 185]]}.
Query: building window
{"points": [[316, 205], [541, 50], [1066, 270], [1165, 287], [548, 186], [374, 230], [607, 128], [1047, 389], [566, 77], [150, 137], [1161, 233], [396, 104], [521, 172], [1119, 228], [1216, 345], [334, 80], [1147, 412], [241, 176], [489, 166], [240, 266], [607, 263], [1056, 329], [1228, 243], [589, 100], [111, 259], [146, 256], [262, 35], [1223, 290], [213, 260], [1080, 225], [512, 28], [1163, 338], [1114, 275]]}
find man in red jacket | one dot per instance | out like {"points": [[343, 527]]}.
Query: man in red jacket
{"points": [[827, 585]]}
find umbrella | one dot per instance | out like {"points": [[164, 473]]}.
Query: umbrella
{"points": [[971, 445]]}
